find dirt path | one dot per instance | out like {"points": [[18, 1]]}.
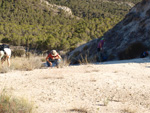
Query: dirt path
{"points": [[112, 87]]}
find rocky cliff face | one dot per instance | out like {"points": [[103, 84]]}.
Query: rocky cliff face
{"points": [[126, 40], [133, 29]]}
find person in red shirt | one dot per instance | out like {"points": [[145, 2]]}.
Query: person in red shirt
{"points": [[100, 45], [53, 57]]}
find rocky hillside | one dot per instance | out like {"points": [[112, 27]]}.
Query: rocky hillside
{"points": [[126, 40], [44, 25]]}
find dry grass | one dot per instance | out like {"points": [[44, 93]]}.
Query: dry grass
{"points": [[4, 69], [65, 62], [28, 64], [84, 60], [22, 63], [10, 104], [87, 59]]}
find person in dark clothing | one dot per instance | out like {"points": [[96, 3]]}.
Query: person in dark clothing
{"points": [[100, 50], [145, 54]]}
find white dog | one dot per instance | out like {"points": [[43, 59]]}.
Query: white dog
{"points": [[5, 55]]}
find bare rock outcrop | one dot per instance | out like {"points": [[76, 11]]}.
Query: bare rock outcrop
{"points": [[57, 7]]}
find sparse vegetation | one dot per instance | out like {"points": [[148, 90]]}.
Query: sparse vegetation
{"points": [[65, 62], [28, 63], [18, 53], [83, 60], [10, 104], [22, 63]]}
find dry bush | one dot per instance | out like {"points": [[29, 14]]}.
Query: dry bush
{"points": [[65, 62], [18, 52], [28, 63], [4, 69], [9, 104], [23, 63], [86, 59], [43, 59]]}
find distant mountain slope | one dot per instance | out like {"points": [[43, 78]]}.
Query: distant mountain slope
{"points": [[126, 40], [97, 8], [30, 12]]}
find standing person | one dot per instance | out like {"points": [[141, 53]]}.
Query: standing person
{"points": [[5, 54], [100, 49], [53, 57]]}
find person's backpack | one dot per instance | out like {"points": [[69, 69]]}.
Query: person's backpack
{"points": [[104, 57], [144, 54]]}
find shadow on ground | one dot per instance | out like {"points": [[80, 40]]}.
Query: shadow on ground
{"points": [[136, 60]]}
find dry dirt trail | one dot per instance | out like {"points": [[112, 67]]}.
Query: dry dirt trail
{"points": [[111, 87]]}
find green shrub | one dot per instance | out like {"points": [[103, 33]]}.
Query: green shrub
{"points": [[18, 52], [5, 40]]}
